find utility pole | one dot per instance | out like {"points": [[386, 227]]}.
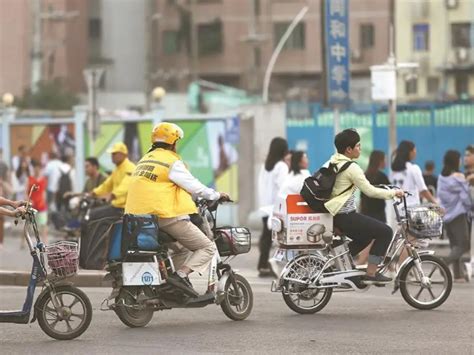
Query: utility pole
{"points": [[150, 33], [194, 41], [36, 52], [92, 77]]}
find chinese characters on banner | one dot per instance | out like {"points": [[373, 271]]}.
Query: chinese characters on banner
{"points": [[337, 51]]}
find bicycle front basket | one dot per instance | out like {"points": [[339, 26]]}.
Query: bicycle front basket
{"points": [[425, 221], [232, 240], [63, 258]]}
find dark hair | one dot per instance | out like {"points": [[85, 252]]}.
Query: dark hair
{"points": [[429, 165], [35, 163], [376, 157], [19, 170], [93, 161], [348, 138], [402, 155], [470, 149], [451, 161], [162, 145], [295, 161], [277, 151]]}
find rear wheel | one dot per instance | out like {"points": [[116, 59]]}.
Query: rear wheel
{"points": [[297, 293], [129, 310], [238, 299], [431, 292]]}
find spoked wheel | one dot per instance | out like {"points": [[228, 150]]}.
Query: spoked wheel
{"points": [[299, 296], [238, 299], [431, 292], [129, 311], [71, 319]]}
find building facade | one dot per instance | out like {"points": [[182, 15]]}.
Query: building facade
{"points": [[439, 36], [231, 42]]}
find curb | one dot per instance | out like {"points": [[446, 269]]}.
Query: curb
{"points": [[84, 278]]}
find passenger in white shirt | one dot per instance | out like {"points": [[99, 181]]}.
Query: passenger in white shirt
{"points": [[408, 176], [294, 181], [270, 181]]}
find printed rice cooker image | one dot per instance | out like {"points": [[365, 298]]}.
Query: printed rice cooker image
{"points": [[314, 233]]}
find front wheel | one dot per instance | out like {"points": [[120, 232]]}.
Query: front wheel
{"points": [[238, 298], [431, 292], [128, 309], [71, 319]]}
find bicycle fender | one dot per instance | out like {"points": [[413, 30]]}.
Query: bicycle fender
{"points": [[396, 284]]}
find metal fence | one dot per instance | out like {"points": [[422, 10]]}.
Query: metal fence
{"points": [[433, 127]]}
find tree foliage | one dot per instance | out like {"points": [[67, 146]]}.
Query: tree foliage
{"points": [[51, 95]]}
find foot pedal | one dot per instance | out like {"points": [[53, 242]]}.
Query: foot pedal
{"points": [[187, 290], [201, 300]]}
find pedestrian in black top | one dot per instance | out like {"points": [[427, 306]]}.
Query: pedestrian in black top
{"points": [[374, 207], [431, 180]]}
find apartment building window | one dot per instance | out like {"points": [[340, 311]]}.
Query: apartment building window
{"points": [[461, 83], [95, 28], [171, 44], [432, 85], [367, 35], [461, 35], [210, 38], [411, 86], [421, 37], [297, 39]]}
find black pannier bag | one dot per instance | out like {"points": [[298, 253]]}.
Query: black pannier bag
{"points": [[317, 188], [95, 238]]}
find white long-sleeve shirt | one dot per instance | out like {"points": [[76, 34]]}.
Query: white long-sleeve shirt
{"points": [[182, 177]]}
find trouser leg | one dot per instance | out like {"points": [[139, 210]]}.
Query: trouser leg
{"points": [[265, 245]]}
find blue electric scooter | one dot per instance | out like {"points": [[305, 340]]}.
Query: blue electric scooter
{"points": [[63, 311]]}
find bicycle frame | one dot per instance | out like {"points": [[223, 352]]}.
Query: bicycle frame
{"points": [[38, 273]]}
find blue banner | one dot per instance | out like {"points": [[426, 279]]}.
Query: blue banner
{"points": [[336, 32]]}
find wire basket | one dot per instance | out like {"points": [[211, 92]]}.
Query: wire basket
{"points": [[63, 258], [425, 221]]}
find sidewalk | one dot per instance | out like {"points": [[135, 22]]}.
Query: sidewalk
{"points": [[15, 263]]}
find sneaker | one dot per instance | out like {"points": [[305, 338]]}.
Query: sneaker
{"points": [[467, 271], [377, 279], [182, 283], [265, 272]]}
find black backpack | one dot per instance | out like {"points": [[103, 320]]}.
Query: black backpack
{"points": [[317, 188]]}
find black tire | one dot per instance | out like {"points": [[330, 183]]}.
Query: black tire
{"points": [[133, 318], [237, 307], [310, 292], [44, 309], [302, 268], [447, 283]]}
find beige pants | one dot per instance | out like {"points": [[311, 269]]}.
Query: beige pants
{"points": [[193, 249]]}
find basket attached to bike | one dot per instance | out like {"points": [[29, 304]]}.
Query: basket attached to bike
{"points": [[425, 221], [232, 240], [63, 258]]}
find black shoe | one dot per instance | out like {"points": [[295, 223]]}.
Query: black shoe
{"points": [[375, 280], [182, 283], [266, 273]]}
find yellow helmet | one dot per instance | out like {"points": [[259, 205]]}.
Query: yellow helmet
{"points": [[166, 132]]}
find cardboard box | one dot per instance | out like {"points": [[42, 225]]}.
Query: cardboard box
{"points": [[301, 225], [140, 274]]}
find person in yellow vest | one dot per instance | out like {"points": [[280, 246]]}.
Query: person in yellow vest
{"points": [[115, 187], [162, 186]]}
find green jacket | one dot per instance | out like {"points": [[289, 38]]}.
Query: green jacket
{"points": [[353, 175]]}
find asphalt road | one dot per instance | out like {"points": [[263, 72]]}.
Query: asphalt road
{"points": [[371, 323]]}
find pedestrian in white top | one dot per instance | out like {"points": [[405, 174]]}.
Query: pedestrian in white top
{"points": [[52, 171], [271, 180], [408, 176]]}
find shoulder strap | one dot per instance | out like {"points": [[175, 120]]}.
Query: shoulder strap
{"points": [[344, 167]]}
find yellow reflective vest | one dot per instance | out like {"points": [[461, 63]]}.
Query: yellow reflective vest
{"points": [[117, 183], [152, 192]]}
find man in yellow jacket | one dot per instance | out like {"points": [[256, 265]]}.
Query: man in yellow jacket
{"points": [[116, 185], [162, 186]]}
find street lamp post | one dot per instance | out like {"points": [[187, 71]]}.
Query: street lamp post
{"points": [[92, 77], [8, 114]]}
